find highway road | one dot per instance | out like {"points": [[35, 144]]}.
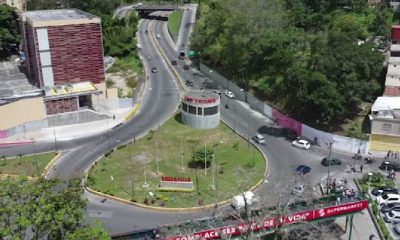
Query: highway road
{"points": [[159, 101]]}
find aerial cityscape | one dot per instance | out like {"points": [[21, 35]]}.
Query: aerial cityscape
{"points": [[200, 119]]}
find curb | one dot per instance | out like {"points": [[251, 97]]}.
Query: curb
{"points": [[219, 204], [132, 113], [10, 144], [50, 165]]}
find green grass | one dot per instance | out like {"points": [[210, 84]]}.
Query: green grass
{"points": [[237, 166], [130, 63], [26, 165], [174, 23]]}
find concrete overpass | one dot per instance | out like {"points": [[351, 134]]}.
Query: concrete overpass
{"points": [[145, 10]]}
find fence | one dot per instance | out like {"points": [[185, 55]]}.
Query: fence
{"points": [[340, 143]]}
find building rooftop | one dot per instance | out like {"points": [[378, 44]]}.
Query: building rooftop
{"points": [[201, 95], [58, 17], [386, 107]]}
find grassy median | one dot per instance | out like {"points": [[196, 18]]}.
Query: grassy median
{"points": [[174, 23], [237, 166], [26, 165]]}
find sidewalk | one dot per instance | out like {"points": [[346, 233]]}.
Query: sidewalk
{"points": [[68, 132]]}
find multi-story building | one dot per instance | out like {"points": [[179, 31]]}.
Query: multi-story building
{"points": [[64, 56]]}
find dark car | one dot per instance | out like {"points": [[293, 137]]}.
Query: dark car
{"points": [[303, 169], [154, 70], [383, 190], [174, 62], [391, 166], [391, 206], [289, 134], [186, 67], [332, 162], [189, 83]]}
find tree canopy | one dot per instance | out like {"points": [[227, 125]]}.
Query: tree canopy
{"points": [[44, 209], [315, 59], [9, 30]]}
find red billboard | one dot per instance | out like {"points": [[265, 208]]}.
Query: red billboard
{"points": [[276, 221]]}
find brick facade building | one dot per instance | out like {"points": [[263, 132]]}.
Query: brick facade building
{"points": [[63, 47]]}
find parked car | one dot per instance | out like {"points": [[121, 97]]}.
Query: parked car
{"points": [[186, 67], [391, 166], [258, 138], [154, 70], [289, 134], [189, 83], [332, 162], [392, 217], [217, 91], [241, 200], [299, 189], [384, 190], [174, 62], [303, 169], [229, 94], [388, 198], [304, 144], [391, 206]]}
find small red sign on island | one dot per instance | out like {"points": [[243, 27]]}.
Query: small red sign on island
{"points": [[175, 179]]}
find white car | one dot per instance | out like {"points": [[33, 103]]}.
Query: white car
{"points": [[304, 144], [258, 138], [388, 198], [139, 47], [158, 36], [392, 216], [229, 94]]}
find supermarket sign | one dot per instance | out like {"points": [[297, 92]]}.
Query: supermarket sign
{"points": [[275, 222]]}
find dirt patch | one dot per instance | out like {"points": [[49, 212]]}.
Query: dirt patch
{"points": [[124, 81]]}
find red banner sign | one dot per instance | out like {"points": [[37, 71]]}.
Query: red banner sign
{"points": [[175, 179], [275, 222], [195, 100]]}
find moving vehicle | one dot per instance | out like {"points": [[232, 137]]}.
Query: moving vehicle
{"points": [[186, 67], [304, 144], [303, 169], [392, 216], [258, 138], [229, 94], [189, 83], [325, 162], [154, 70], [174, 62], [139, 47], [238, 201], [391, 166], [181, 55], [158, 36], [384, 190], [391, 206], [388, 198]]}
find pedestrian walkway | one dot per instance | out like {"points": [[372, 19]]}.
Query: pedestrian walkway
{"points": [[68, 132]]}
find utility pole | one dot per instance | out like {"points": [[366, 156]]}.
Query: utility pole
{"points": [[329, 164], [108, 136], [213, 166], [131, 168], [205, 158], [158, 167], [55, 139], [182, 168], [34, 158]]}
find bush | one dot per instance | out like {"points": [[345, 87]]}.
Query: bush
{"points": [[146, 201], [375, 209], [133, 200], [383, 228], [236, 146]]}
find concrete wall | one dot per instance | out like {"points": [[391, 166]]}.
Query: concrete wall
{"points": [[385, 126], [21, 111]]}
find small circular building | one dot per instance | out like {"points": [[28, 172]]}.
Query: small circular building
{"points": [[200, 109]]}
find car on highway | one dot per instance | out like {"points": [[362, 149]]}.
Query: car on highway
{"points": [[391, 206], [153, 69], [186, 67], [391, 166], [258, 138], [303, 169], [139, 47], [174, 62], [158, 36], [384, 190], [388, 198], [189, 83], [304, 144], [229, 94], [392, 217], [289, 134], [334, 161]]}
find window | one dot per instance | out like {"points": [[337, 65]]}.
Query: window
{"points": [[211, 110], [192, 109], [199, 111], [184, 107], [387, 127]]}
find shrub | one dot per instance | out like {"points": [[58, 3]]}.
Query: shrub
{"points": [[153, 201], [200, 202], [236, 146], [146, 201], [133, 200], [162, 203], [375, 209]]}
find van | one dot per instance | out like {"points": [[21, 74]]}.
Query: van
{"points": [[238, 203]]}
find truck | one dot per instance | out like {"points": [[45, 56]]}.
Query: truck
{"points": [[238, 202]]}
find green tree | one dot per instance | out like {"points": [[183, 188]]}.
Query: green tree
{"points": [[41, 209], [9, 30], [201, 157]]}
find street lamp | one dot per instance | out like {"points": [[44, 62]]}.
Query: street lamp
{"points": [[329, 164], [369, 180]]}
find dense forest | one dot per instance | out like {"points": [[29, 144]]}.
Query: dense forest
{"points": [[317, 60]]}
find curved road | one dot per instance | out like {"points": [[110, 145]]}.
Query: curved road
{"points": [[159, 102]]}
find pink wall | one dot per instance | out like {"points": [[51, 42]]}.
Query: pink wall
{"points": [[286, 121], [3, 133]]}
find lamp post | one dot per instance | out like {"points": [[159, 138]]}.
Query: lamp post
{"points": [[158, 167], [55, 139], [369, 180], [213, 165], [329, 164]]}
